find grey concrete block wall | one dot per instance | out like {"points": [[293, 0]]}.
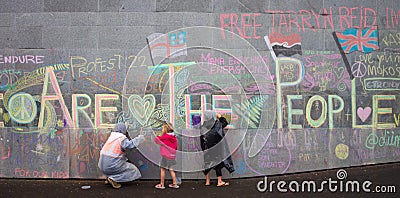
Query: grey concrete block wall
{"points": [[71, 6], [21, 6], [188, 6], [112, 60]]}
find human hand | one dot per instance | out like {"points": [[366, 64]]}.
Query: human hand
{"points": [[127, 135]]}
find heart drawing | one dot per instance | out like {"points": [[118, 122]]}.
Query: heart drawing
{"points": [[338, 72], [363, 113], [141, 108]]}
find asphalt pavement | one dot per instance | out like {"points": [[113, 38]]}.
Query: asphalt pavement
{"points": [[343, 182]]}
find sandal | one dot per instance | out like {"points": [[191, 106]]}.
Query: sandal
{"points": [[173, 186], [113, 183], [159, 186], [223, 184]]}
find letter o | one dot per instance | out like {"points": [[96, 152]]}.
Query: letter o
{"points": [[391, 71], [318, 122]]}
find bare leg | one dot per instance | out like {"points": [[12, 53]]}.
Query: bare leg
{"points": [[208, 179], [173, 175], [222, 183], [219, 175], [220, 180], [162, 176]]}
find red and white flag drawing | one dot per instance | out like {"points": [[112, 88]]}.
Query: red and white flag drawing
{"points": [[286, 45], [168, 45]]}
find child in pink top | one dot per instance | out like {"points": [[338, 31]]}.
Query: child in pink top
{"points": [[168, 145]]}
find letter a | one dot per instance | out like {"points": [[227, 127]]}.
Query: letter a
{"points": [[50, 75]]}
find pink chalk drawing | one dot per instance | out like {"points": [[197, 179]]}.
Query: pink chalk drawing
{"points": [[363, 113]]}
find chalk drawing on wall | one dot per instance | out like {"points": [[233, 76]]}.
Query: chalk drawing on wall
{"points": [[364, 113], [363, 40], [356, 39], [168, 45], [334, 106], [279, 44], [217, 75], [141, 108]]}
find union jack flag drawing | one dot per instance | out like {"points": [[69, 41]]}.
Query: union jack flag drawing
{"points": [[363, 40]]}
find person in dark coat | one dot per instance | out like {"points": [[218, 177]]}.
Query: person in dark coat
{"points": [[215, 148]]}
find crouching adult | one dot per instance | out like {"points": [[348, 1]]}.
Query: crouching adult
{"points": [[113, 161]]}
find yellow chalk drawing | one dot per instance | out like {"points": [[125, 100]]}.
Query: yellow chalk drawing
{"points": [[342, 151]]}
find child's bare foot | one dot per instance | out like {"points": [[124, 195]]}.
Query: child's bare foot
{"points": [[222, 184], [173, 185], [159, 186]]}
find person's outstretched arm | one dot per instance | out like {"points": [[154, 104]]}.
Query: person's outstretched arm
{"points": [[223, 121], [130, 144]]}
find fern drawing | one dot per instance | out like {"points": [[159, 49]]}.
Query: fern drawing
{"points": [[251, 110]]}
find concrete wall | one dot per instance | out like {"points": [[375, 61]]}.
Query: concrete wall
{"points": [[306, 85]]}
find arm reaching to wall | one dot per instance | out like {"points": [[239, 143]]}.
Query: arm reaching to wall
{"points": [[135, 142], [223, 120]]}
